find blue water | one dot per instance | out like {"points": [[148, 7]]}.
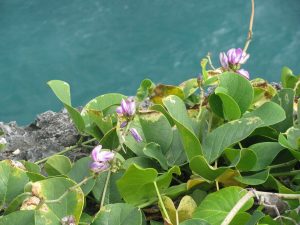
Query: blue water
{"points": [[101, 46]]}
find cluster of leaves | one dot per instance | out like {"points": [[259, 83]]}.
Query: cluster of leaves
{"points": [[204, 142]]}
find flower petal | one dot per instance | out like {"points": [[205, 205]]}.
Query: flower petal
{"points": [[244, 73], [136, 135], [95, 153], [98, 166], [224, 60]]}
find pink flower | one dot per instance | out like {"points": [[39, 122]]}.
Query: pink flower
{"points": [[100, 159], [127, 107]]}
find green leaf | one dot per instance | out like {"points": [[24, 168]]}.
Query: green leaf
{"points": [[285, 143], [293, 137], [112, 194], [81, 170], [231, 109], [228, 134], [62, 91], [30, 217], [254, 179], [119, 214], [289, 80], [216, 206], [177, 111], [239, 88], [244, 159], [285, 98], [189, 87], [156, 128], [53, 188], [176, 154], [12, 182], [200, 166], [255, 218], [195, 222], [266, 151], [142, 181], [153, 150], [57, 165], [103, 102], [270, 113], [146, 87]]}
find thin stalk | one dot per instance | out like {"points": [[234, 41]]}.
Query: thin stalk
{"points": [[209, 61], [250, 194], [217, 183], [201, 101], [105, 189], [250, 33], [288, 173], [283, 164], [66, 150], [161, 202]]}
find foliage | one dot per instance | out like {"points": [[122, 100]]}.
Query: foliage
{"points": [[200, 145]]}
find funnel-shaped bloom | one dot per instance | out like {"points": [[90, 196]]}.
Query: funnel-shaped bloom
{"points": [[136, 135], [100, 159], [127, 107], [244, 73]]}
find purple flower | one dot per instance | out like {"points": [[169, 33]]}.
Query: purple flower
{"points": [[127, 107], [100, 159], [99, 166], [136, 135], [244, 73], [233, 57]]}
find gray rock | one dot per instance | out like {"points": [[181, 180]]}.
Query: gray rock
{"points": [[51, 132]]}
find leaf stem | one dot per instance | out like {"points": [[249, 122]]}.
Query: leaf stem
{"points": [[105, 189], [161, 202], [250, 33], [250, 194], [283, 164], [66, 150], [288, 173]]}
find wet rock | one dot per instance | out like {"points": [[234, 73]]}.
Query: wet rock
{"points": [[51, 132]]}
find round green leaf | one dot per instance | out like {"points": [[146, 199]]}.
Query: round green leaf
{"points": [[119, 214], [216, 206], [57, 165]]}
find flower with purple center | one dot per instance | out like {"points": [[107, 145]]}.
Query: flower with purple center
{"points": [[100, 159], [233, 59], [135, 134], [127, 107]]}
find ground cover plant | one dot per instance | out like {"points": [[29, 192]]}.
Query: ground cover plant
{"points": [[220, 148]]}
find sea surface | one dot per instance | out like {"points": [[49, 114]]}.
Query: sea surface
{"points": [[101, 46]]}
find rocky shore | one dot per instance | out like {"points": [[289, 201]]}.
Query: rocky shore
{"points": [[51, 132]]}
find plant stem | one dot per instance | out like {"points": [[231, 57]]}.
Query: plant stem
{"points": [[249, 37], [69, 190], [237, 207], [66, 150], [201, 101], [105, 189], [288, 173], [161, 202], [241, 146], [217, 183], [283, 164], [250, 194], [209, 61]]}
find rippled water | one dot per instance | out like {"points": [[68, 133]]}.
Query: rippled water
{"points": [[101, 46]]}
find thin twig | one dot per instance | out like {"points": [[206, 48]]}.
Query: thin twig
{"points": [[284, 164], [237, 207], [161, 203], [250, 33], [66, 150], [209, 61], [250, 194], [105, 189]]}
